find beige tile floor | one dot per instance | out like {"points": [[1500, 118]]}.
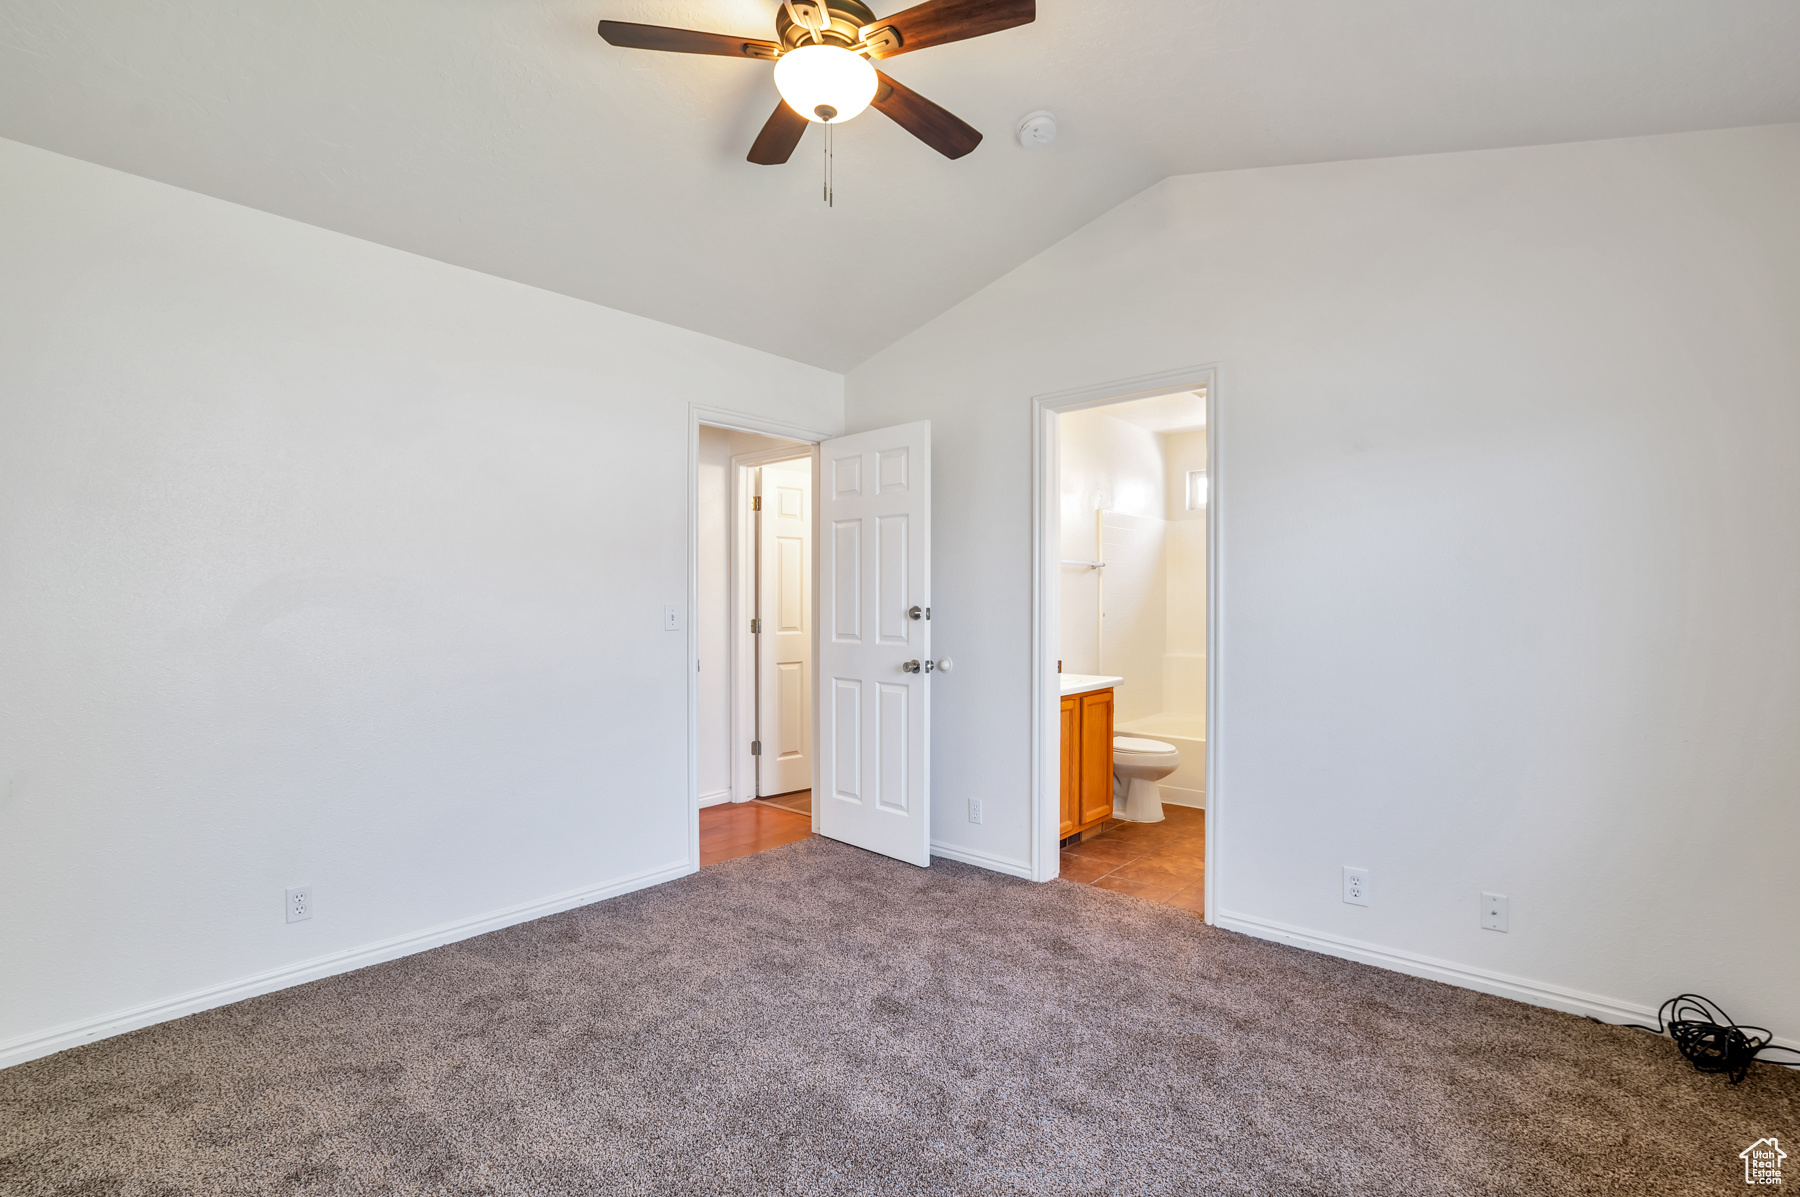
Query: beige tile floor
{"points": [[1160, 862]]}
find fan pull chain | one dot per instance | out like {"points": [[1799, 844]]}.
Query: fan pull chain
{"points": [[825, 113]]}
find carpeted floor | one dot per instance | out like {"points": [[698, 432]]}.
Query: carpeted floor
{"points": [[879, 1029]]}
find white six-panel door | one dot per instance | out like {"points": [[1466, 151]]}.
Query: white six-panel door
{"points": [[874, 787], [784, 647]]}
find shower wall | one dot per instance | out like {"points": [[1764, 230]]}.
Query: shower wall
{"points": [[1184, 552], [1125, 502]]}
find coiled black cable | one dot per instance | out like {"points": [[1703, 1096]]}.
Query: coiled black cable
{"points": [[1707, 1037]]}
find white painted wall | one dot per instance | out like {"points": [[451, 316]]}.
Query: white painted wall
{"points": [[1505, 451], [321, 562]]}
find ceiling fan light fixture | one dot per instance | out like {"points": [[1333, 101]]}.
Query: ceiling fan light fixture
{"points": [[825, 84]]}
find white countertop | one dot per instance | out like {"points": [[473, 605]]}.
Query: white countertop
{"points": [[1081, 683]]}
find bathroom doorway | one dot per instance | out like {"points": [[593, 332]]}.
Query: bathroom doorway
{"points": [[754, 641], [1125, 546]]}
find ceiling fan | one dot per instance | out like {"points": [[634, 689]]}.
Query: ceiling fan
{"points": [[822, 68]]}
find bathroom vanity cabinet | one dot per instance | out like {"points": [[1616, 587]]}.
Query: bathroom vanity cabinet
{"points": [[1087, 774]]}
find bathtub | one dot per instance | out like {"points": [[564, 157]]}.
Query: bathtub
{"points": [[1187, 735]]}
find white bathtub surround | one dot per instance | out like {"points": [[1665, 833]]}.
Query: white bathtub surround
{"points": [[1184, 575], [1134, 619]]}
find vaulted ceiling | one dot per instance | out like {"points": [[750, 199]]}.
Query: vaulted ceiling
{"points": [[505, 136]]}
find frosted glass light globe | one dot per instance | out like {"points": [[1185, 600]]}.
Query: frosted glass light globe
{"points": [[829, 76]]}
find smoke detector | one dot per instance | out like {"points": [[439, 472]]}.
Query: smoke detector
{"points": [[1036, 129]]}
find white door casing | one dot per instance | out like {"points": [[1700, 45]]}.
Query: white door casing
{"points": [[784, 653], [874, 553]]}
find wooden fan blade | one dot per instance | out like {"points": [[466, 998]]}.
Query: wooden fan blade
{"points": [[775, 144], [685, 41], [932, 125], [938, 21]]}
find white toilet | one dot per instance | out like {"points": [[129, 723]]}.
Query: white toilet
{"points": [[1137, 766]]}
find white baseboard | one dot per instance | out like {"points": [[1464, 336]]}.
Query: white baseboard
{"points": [[1535, 993], [716, 798], [43, 1043], [1177, 796], [999, 864]]}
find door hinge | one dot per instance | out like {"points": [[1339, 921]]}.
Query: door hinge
{"points": [[756, 502], [756, 748], [756, 627]]}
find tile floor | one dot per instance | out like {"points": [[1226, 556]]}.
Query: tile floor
{"points": [[1160, 862]]}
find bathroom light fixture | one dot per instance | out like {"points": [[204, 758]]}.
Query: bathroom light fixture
{"points": [[825, 84]]}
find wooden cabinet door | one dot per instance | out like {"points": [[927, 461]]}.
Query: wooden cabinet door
{"points": [[1096, 737], [1071, 765]]}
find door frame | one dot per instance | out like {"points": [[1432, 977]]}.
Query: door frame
{"points": [[1046, 577], [742, 645], [732, 421]]}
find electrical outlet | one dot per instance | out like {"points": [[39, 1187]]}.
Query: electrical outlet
{"points": [[1356, 886], [671, 620], [974, 810], [299, 903], [1493, 912]]}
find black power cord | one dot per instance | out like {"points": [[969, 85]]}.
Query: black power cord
{"points": [[1707, 1036]]}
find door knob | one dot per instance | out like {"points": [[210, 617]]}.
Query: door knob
{"points": [[914, 612], [910, 667]]}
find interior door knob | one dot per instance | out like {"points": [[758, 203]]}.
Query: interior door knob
{"points": [[910, 667]]}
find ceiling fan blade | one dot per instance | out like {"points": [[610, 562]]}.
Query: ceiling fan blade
{"points": [[938, 21], [775, 144], [686, 41], [933, 125]]}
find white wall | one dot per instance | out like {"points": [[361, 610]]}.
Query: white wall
{"points": [[1505, 456], [324, 563]]}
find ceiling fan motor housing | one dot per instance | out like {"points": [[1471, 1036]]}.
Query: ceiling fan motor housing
{"points": [[842, 22]]}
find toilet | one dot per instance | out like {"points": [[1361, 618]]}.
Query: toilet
{"points": [[1137, 766]]}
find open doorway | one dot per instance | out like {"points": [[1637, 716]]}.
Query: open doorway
{"points": [[754, 640], [857, 601], [1126, 546]]}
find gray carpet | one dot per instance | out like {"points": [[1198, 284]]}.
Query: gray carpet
{"points": [[815, 1020]]}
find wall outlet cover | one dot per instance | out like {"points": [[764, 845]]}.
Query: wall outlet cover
{"points": [[974, 810], [1356, 885], [1494, 913], [299, 903]]}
